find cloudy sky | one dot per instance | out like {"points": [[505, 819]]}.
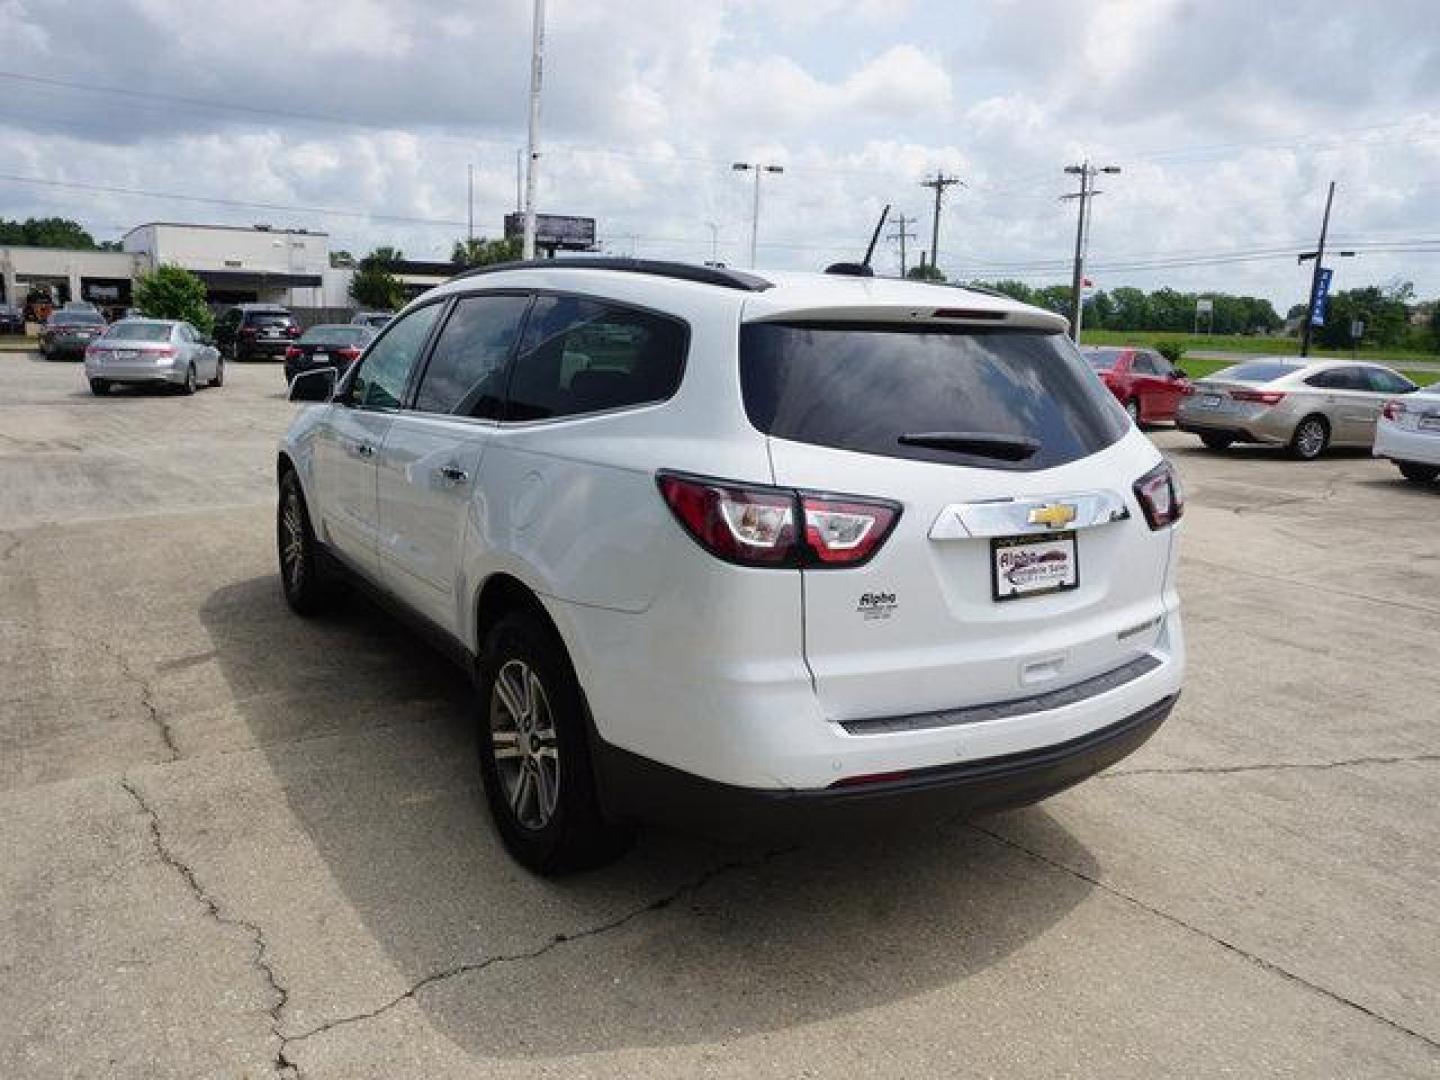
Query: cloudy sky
{"points": [[359, 117]]}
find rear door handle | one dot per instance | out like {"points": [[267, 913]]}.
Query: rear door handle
{"points": [[453, 473], [364, 450]]}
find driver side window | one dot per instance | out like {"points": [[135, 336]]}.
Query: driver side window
{"points": [[380, 380]]}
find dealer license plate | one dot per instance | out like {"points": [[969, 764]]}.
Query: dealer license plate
{"points": [[1209, 401], [1023, 566]]}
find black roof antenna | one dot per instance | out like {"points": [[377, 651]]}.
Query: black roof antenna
{"points": [[862, 268]]}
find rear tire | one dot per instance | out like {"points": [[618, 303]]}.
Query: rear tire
{"points": [[307, 590], [535, 752], [188, 386], [1417, 473], [219, 379], [1312, 436], [1216, 442], [99, 387]]}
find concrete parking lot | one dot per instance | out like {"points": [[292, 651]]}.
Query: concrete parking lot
{"points": [[237, 844]]}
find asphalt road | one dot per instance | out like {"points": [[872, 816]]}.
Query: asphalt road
{"points": [[237, 844]]}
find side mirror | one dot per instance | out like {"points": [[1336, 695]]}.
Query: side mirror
{"points": [[317, 385], [1181, 373]]}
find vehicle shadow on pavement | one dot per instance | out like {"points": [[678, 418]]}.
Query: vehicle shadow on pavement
{"points": [[366, 732]]}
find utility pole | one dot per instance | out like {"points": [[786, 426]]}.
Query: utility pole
{"points": [[519, 181], [537, 73], [939, 182], [1319, 256], [1087, 174], [757, 168], [470, 203], [902, 234]]}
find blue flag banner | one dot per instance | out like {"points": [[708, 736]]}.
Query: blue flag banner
{"points": [[1322, 294]]}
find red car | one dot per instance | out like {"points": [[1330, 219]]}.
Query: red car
{"points": [[1148, 385]]}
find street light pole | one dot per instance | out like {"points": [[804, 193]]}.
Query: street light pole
{"points": [[537, 72], [1087, 174], [741, 166]]}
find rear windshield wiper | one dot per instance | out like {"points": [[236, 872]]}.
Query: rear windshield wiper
{"points": [[979, 443]]}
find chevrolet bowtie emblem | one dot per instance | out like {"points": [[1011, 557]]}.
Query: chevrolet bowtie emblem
{"points": [[1053, 515]]}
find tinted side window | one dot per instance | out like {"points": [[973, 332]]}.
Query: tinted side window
{"points": [[380, 379], [466, 372], [1144, 364], [582, 356], [1387, 382], [865, 387]]}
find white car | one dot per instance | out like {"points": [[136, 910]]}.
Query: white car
{"points": [[812, 540], [1408, 433]]}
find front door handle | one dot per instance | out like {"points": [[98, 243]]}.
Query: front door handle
{"points": [[453, 473], [364, 450]]}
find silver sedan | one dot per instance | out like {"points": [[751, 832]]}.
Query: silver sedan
{"points": [[1307, 405], [156, 351]]}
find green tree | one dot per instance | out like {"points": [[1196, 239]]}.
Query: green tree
{"points": [[1016, 290], [482, 252], [46, 232], [925, 272], [1384, 311], [172, 292]]}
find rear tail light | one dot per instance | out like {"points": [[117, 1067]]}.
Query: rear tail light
{"points": [[292, 330], [292, 353], [247, 331], [1262, 397], [165, 350], [1393, 410], [348, 353], [756, 526], [1160, 495], [92, 352]]}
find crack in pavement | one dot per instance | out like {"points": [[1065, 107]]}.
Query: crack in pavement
{"points": [[260, 961], [688, 888], [1280, 766], [1229, 946], [167, 734]]}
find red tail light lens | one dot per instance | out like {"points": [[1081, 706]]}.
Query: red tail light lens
{"points": [[292, 330], [247, 331], [1262, 397], [746, 525], [1160, 495], [846, 532], [756, 526], [292, 353], [1393, 410], [165, 350], [348, 353]]}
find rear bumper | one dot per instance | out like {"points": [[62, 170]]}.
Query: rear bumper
{"points": [[1238, 432], [1398, 444], [633, 786], [134, 373], [248, 348]]}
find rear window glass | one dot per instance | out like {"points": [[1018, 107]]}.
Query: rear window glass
{"points": [[861, 388], [1257, 373], [141, 331], [76, 318], [269, 318], [336, 335]]}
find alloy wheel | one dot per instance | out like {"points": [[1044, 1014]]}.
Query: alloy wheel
{"points": [[527, 754], [292, 549], [1310, 439]]}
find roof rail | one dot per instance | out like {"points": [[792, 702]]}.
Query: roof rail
{"points": [[704, 275]]}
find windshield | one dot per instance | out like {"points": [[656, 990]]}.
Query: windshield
{"points": [[139, 331], [863, 387], [76, 318], [335, 335], [1102, 359], [1258, 372]]}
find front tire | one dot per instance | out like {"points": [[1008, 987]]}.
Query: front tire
{"points": [[1417, 473], [1312, 436], [535, 752], [301, 576]]}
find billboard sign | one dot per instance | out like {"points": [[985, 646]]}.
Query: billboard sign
{"points": [[1322, 294], [560, 231]]}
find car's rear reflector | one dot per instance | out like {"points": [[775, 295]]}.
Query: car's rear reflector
{"points": [[870, 778]]}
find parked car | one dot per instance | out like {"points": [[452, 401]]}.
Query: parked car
{"points": [[814, 539], [1307, 405], [80, 305], [67, 333], [249, 330], [1143, 381], [12, 320], [376, 320], [1408, 433], [155, 352], [337, 345]]}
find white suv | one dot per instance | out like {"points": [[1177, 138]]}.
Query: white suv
{"points": [[810, 540]]}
